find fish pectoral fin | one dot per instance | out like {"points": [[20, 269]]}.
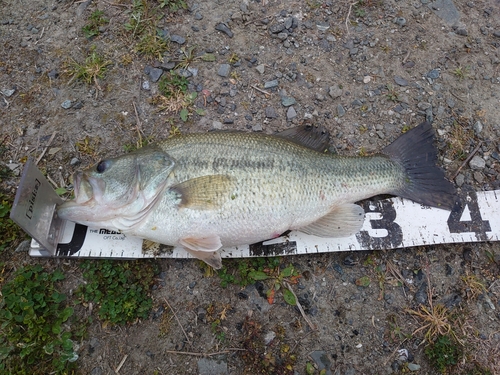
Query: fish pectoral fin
{"points": [[204, 249], [343, 221], [206, 192], [310, 136]]}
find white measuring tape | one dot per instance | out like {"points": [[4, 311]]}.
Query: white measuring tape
{"points": [[389, 224]]}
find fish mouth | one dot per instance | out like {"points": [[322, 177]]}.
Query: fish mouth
{"points": [[84, 198]]}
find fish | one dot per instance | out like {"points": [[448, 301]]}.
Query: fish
{"points": [[204, 191]]}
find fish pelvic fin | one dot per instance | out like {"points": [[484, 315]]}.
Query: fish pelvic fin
{"points": [[310, 136], [424, 181], [206, 192], [343, 221], [205, 249]]}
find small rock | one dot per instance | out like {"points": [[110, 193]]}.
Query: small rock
{"points": [[75, 161], [287, 101], [208, 366], [78, 105], [8, 92], [269, 336], [186, 73], [223, 28], [146, 85], [257, 128], [270, 112], [322, 26], [421, 294], [217, 125], [401, 21], [340, 111], [461, 32], [282, 36], [178, 39], [155, 74], [367, 79], [96, 371], [400, 81], [260, 68], [478, 127], [66, 104], [496, 34], [413, 367], [478, 176], [277, 28], [335, 92], [53, 74], [433, 74], [198, 16], [460, 179], [224, 70], [291, 113], [477, 162], [271, 84], [321, 359]]}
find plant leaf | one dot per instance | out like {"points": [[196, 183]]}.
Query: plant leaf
{"points": [[289, 297], [258, 275], [184, 114]]}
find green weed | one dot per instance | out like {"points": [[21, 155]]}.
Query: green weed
{"points": [[249, 271], [173, 5], [443, 353], [119, 288], [9, 231], [172, 84], [35, 335], [461, 72], [93, 68], [96, 20]]}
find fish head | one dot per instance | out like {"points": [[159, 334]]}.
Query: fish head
{"points": [[117, 193]]}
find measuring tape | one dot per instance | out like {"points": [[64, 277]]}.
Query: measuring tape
{"points": [[389, 224]]}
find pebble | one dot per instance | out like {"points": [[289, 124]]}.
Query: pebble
{"points": [[178, 39], [335, 92], [146, 85], [413, 367], [74, 161], [260, 68], [198, 16], [268, 337], [270, 112], [225, 29], [460, 179], [400, 81], [96, 371], [291, 113], [433, 74], [322, 26], [224, 70], [257, 128], [340, 111], [478, 176], [155, 74], [209, 366], [478, 127], [271, 84], [321, 359], [287, 101], [8, 92], [66, 104], [477, 162], [277, 28], [217, 125], [401, 21]]}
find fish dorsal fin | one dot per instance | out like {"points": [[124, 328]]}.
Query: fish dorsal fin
{"points": [[313, 137], [206, 192], [205, 249], [343, 221]]}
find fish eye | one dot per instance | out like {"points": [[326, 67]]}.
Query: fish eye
{"points": [[101, 166]]}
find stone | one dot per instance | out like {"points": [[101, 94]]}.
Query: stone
{"points": [[225, 29], [66, 104], [277, 28], [291, 113], [209, 366], [217, 125], [271, 84], [400, 81], [224, 70], [446, 10], [340, 111], [335, 92], [155, 74], [287, 101], [178, 39], [260, 68], [321, 359], [270, 112], [477, 162]]}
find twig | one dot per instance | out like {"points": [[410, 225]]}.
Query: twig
{"points": [[394, 352], [46, 147], [471, 155], [206, 354], [260, 90], [299, 306], [347, 18], [117, 370], [178, 321], [458, 97], [139, 125]]}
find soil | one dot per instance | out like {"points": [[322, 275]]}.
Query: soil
{"points": [[364, 71]]}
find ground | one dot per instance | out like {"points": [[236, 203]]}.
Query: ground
{"points": [[365, 70]]}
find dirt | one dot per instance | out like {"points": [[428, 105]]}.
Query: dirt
{"points": [[377, 56]]}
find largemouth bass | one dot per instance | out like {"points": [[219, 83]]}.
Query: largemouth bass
{"points": [[204, 191]]}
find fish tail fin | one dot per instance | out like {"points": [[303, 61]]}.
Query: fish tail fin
{"points": [[425, 182]]}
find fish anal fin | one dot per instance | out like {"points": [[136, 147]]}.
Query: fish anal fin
{"points": [[206, 192], [205, 249], [343, 221]]}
